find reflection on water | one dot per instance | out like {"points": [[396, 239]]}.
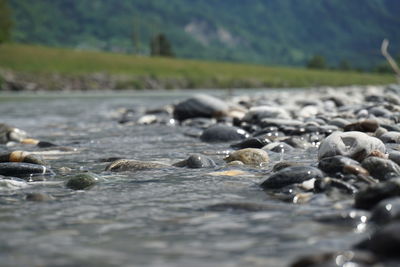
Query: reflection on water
{"points": [[148, 218]]}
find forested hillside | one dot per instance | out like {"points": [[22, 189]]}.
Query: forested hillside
{"points": [[284, 32]]}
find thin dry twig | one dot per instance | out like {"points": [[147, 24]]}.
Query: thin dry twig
{"points": [[389, 58]]}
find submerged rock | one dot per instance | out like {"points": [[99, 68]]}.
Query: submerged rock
{"points": [[38, 197], [355, 145], [133, 165], [82, 181], [223, 133], [196, 161], [291, 175], [203, 106], [249, 156]]}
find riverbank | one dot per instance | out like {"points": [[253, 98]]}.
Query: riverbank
{"points": [[32, 68]]}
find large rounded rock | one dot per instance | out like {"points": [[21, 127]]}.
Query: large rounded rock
{"points": [[133, 165], [355, 145], [384, 242], [370, 196], [249, 156], [291, 175], [223, 133], [203, 106], [196, 161], [9, 133], [381, 169], [386, 211]]}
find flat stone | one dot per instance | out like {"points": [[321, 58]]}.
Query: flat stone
{"points": [[223, 133], [249, 156], [133, 165], [291, 175]]}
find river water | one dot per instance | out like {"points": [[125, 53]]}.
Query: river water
{"points": [[147, 218]]}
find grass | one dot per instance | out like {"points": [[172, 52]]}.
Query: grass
{"points": [[38, 60]]}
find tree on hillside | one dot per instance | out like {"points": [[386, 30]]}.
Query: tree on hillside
{"points": [[344, 65], [160, 46], [5, 21], [317, 62]]}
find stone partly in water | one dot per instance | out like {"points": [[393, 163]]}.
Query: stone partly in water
{"points": [[22, 170], [82, 181], [196, 161], [355, 145], [249, 156], [223, 133], [381, 169], [38, 197], [21, 156], [9, 133], [370, 196], [385, 242], [386, 211], [203, 106], [291, 175], [253, 142], [133, 165]]}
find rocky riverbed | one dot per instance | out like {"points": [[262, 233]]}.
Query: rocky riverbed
{"points": [[305, 177]]}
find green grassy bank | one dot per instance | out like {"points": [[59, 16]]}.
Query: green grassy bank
{"points": [[46, 65]]}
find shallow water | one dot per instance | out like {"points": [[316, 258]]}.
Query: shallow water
{"points": [[148, 218]]}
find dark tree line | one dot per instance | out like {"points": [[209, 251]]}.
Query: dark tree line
{"points": [[5, 21]]}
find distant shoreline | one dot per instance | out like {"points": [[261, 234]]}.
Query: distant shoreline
{"points": [[33, 68]]}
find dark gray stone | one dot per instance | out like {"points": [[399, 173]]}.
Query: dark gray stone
{"points": [[203, 106], [19, 169], [370, 196], [133, 165], [386, 211], [335, 164], [82, 181], [291, 175], [381, 169], [223, 133], [196, 161]]}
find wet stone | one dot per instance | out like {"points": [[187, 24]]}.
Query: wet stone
{"points": [[380, 168], [196, 161], [390, 137], [395, 156], [355, 145], [278, 147], [82, 181], [223, 133], [327, 184], [385, 242], [133, 165], [38, 197], [203, 106], [370, 196], [21, 170], [336, 164], [334, 259], [285, 164], [21, 156], [291, 175], [9, 133], [362, 126], [253, 142], [386, 211], [249, 156]]}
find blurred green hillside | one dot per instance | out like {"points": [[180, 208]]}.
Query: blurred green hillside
{"points": [[271, 32]]}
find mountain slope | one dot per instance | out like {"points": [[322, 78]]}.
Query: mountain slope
{"points": [[285, 32]]}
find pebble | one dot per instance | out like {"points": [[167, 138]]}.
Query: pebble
{"points": [[10, 134], [336, 164], [223, 133], [133, 165], [390, 137], [252, 142], [355, 145], [249, 156], [21, 156], [362, 126], [21, 170], [291, 175]]}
